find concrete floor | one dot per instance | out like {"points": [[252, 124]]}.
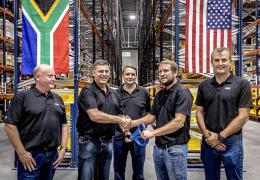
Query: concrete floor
{"points": [[251, 162]]}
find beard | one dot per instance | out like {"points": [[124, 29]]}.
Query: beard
{"points": [[167, 82]]}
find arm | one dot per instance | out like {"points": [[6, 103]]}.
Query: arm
{"points": [[174, 125], [211, 137], [64, 139], [24, 156], [200, 121], [245, 103], [237, 123], [148, 119], [101, 117]]}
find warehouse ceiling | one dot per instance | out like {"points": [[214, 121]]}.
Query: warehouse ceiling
{"points": [[130, 21]]}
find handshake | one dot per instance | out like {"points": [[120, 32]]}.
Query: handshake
{"points": [[125, 122], [141, 136], [125, 126]]}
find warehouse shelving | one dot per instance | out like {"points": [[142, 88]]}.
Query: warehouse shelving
{"points": [[7, 56]]}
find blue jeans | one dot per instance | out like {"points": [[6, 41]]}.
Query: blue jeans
{"points": [[44, 169], [232, 159], [171, 162], [121, 149], [94, 159]]}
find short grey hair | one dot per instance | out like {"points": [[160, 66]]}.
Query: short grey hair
{"points": [[100, 62], [220, 50]]}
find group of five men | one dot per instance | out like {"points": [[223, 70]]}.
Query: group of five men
{"points": [[36, 123]]}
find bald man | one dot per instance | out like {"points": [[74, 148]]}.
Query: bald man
{"points": [[36, 125]]}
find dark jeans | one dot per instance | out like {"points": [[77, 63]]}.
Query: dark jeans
{"points": [[94, 159], [232, 159], [44, 169], [121, 149]]}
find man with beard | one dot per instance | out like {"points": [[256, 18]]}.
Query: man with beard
{"points": [[136, 103], [99, 107], [36, 125], [223, 104], [171, 113]]}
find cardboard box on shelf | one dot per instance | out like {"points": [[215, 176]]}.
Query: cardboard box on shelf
{"points": [[9, 59]]}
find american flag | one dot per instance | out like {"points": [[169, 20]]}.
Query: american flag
{"points": [[208, 26]]}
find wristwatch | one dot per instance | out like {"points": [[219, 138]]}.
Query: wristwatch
{"points": [[221, 138]]}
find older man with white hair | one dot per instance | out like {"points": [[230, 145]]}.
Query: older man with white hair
{"points": [[36, 125]]}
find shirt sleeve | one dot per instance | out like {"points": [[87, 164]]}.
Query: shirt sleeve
{"points": [[199, 99], [87, 99], [245, 98], [184, 102], [15, 110]]}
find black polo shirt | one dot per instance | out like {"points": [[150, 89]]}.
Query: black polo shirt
{"points": [[135, 105], [222, 101], [177, 99], [92, 97], [38, 118]]}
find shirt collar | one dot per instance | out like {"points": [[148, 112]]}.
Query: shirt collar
{"points": [[98, 88], [37, 92], [171, 88], [229, 80], [121, 88]]}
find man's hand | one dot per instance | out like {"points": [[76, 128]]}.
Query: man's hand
{"points": [[27, 161], [127, 135], [125, 122], [61, 152], [220, 147], [147, 134], [213, 141]]}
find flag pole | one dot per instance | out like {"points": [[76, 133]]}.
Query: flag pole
{"points": [[16, 46], [74, 110], [256, 43], [239, 40], [177, 29]]}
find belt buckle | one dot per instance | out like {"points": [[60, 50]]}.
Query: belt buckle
{"points": [[165, 146]]}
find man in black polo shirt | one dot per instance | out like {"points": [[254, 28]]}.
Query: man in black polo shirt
{"points": [[136, 103], [36, 125], [171, 112], [223, 104], [99, 107]]}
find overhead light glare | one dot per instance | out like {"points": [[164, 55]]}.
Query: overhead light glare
{"points": [[132, 17]]}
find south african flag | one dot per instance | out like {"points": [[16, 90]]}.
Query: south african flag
{"points": [[45, 35]]}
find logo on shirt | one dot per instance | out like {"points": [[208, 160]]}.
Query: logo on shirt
{"points": [[227, 88], [56, 104]]}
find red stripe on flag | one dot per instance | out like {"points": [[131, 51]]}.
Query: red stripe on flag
{"points": [[215, 39], [187, 39], [61, 46], [201, 38], [229, 40], [194, 36], [222, 39]]}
